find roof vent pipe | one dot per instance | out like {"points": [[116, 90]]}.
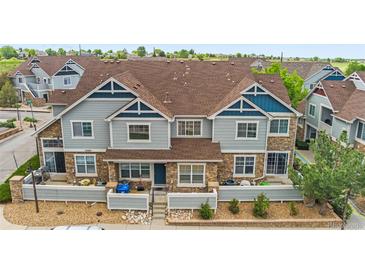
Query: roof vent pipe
{"points": [[167, 99]]}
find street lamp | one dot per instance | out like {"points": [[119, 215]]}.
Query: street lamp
{"points": [[30, 170]]}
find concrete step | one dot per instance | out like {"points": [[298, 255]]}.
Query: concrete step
{"points": [[159, 216]]}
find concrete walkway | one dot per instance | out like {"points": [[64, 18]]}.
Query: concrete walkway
{"points": [[306, 156]]}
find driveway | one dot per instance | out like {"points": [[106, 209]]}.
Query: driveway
{"points": [[21, 146]]}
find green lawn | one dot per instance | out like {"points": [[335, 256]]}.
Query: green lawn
{"points": [[5, 195], [341, 66], [10, 64]]}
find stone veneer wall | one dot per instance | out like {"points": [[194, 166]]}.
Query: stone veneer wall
{"points": [[101, 167], [300, 133], [52, 131], [226, 168], [37, 102], [359, 146], [211, 171], [284, 143]]}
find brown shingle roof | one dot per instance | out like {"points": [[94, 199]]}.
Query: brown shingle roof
{"points": [[182, 149], [194, 87], [354, 107], [304, 69], [338, 92]]}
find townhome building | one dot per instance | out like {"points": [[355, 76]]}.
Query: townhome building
{"points": [[36, 78], [336, 107], [176, 125]]}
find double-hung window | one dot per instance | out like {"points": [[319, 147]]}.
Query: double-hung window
{"points": [[139, 132], [191, 175], [361, 131], [85, 165], [246, 130], [67, 80], [279, 127], [244, 166], [135, 170], [82, 129], [187, 128], [312, 110], [20, 80]]}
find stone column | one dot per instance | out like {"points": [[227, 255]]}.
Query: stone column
{"points": [[112, 171], [16, 189]]}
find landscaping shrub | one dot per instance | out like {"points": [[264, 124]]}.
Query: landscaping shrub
{"points": [[293, 210], [297, 164], [301, 144], [5, 195], [205, 211], [338, 208], [7, 124], [234, 206], [261, 205], [30, 120]]}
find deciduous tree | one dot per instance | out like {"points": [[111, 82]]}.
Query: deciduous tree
{"points": [[8, 95], [8, 52]]}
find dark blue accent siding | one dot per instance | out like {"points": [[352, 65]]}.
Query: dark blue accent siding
{"points": [[144, 107], [70, 72], [251, 90], [117, 87], [107, 86], [237, 105], [115, 95], [238, 113], [135, 115], [267, 103], [335, 78], [133, 107], [329, 68]]}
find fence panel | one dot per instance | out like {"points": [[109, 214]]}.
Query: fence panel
{"points": [[127, 201], [65, 193], [249, 193], [191, 200]]}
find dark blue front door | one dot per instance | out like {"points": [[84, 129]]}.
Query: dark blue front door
{"points": [[160, 174]]}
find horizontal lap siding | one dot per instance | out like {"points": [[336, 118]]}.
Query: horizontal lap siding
{"points": [[90, 110], [190, 202], [159, 134], [71, 193], [317, 101], [246, 194], [225, 133], [338, 126], [125, 201]]}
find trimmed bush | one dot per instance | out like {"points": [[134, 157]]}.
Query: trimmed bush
{"points": [[261, 205], [338, 208], [7, 124], [301, 144], [205, 211], [293, 210], [30, 120], [234, 206], [5, 195]]}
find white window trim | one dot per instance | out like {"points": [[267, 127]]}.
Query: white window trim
{"points": [[64, 81], [247, 122], [243, 174], [287, 165], [189, 120], [77, 174], [280, 134], [309, 110], [139, 141], [132, 178], [190, 185], [82, 121]]}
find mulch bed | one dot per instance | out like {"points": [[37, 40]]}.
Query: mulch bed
{"points": [[360, 202], [73, 213], [276, 210]]}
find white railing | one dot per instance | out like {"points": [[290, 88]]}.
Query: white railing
{"points": [[249, 193], [191, 200], [65, 193], [325, 127], [127, 201]]}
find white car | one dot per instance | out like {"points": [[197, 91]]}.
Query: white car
{"points": [[78, 227]]}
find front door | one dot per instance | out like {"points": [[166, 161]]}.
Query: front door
{"points": [[277, 163], [160, 175]]}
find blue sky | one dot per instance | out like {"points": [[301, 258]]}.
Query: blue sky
{"points": [[289, 50]]}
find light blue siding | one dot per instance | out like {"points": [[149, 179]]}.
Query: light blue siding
{"points": [[317, 101], [128, 201], [56, 109], [359, 84], [90, 110], [191, 200], [338, 126], [353, 131], [58, 81], [314, 79], [159, 134], [225, 133], [206, 126]]}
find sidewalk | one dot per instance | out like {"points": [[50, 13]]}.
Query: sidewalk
{"points": [[27, 109]]}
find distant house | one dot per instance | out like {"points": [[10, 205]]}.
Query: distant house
{"points": [[336, 107]]}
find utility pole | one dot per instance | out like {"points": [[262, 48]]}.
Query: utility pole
{"points": [[281, 57], [80, 49]]}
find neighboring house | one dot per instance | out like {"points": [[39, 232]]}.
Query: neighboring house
{"points": [[336, 107], [172, 124], [36, 78]]}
